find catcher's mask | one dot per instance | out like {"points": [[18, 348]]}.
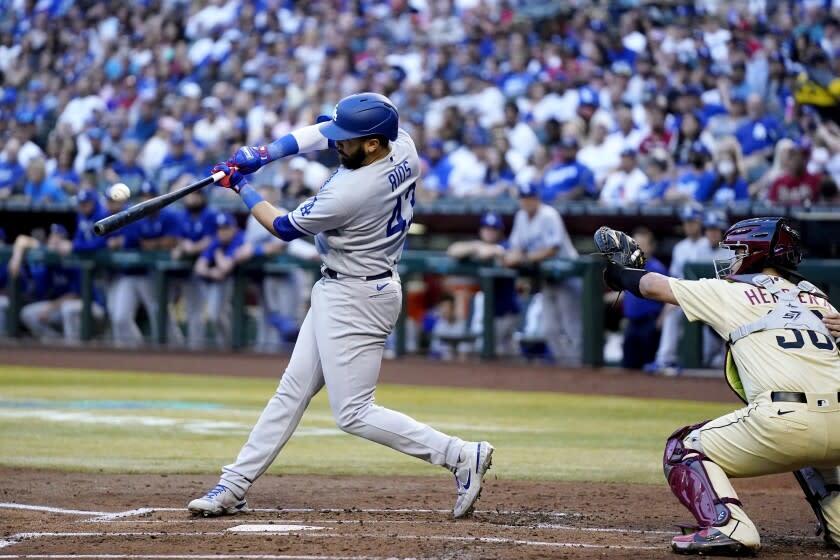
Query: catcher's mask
{"points": [[759, 243]]}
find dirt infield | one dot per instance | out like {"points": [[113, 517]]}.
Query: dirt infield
{"points": [[47, 514], [141, 516]]}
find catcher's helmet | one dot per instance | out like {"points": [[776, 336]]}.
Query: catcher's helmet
{"points": [[363, 114], [760, 243]]}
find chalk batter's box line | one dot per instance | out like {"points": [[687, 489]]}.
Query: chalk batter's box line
{"points": [[17, 538]]}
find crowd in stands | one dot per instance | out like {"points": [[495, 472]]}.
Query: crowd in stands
{"points": [[621, 103]]}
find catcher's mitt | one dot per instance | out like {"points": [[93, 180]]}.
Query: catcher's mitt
{"points": [[619, 247]]}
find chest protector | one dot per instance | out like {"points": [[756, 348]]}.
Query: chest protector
{"points": [[789, 313]]}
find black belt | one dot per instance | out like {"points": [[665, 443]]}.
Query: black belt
{"points": [[787, 396], [330, 273]]}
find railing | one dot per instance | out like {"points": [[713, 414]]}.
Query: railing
{"points": [[162, 269]]}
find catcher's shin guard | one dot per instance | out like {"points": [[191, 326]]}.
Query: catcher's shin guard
{"points": [[816, 490], [690, 481]]}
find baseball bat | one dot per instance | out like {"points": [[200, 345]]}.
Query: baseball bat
{"points": [[139, 211]]}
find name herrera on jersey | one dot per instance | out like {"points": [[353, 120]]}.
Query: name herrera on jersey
{"points": [[759, 296]]}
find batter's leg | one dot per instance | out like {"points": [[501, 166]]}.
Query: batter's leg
{"points": [[352, 320], [351, 325], [302, 379], [300, 382]]}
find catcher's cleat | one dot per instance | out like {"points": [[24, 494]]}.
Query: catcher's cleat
{"points": [[474, 461], [221, 500], [712, 542]]}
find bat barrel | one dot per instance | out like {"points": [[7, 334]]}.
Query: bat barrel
{"points": [[140, 211]]}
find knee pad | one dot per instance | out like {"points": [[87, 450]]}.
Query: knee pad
{"points": [[690, 482], [815, 490]]}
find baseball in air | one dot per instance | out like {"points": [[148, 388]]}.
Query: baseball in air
{"points": [[120, 192]]}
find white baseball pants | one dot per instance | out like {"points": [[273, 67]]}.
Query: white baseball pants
{"points": [[563, 322], [340, 345]]}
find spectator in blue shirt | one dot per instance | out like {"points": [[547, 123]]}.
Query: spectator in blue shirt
{"points": [[725, 184], [64, 175], [90, 211], [739, 87], [12, 175], [568, 179], [437, 167], [160, 230], [758, 135], [177, 162], [126, 169], [38, 189], [215, 266], [641, 335], [659, 177], [688, 182]]}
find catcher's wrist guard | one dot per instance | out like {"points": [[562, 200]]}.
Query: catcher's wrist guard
{"points": [[619, 278]]}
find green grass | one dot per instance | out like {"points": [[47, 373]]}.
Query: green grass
{"points": [[140, 422]]}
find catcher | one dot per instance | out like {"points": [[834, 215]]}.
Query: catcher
{"points": [[782, 362]]}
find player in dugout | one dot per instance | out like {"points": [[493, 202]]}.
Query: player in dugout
{"points": [[783, 362]]}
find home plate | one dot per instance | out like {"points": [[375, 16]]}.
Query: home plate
{"points": [[273, 528]]}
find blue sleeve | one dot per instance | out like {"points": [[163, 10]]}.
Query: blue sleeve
{"points": [[284, 146], [284, 229]]}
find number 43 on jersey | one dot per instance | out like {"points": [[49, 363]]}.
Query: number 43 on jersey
{"points": [[401, 219]]}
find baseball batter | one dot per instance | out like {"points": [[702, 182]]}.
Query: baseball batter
{"points": [[782, 362], [359, 219]]}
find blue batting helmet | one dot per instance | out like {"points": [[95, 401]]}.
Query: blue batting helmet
{"points": [[363, 114]]}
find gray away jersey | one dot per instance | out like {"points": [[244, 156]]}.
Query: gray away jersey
{"points": [[546, 229], [360, 217]]}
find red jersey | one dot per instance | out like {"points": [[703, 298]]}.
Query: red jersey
{"points": [[795, 191]]}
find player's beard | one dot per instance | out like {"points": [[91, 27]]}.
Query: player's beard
{"points": [[354, 159]]}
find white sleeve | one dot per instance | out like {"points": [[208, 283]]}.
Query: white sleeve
{"points": [[310, 139]]}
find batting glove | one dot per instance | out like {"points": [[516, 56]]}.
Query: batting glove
{"points": [[233, 179], [249, 159]]}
